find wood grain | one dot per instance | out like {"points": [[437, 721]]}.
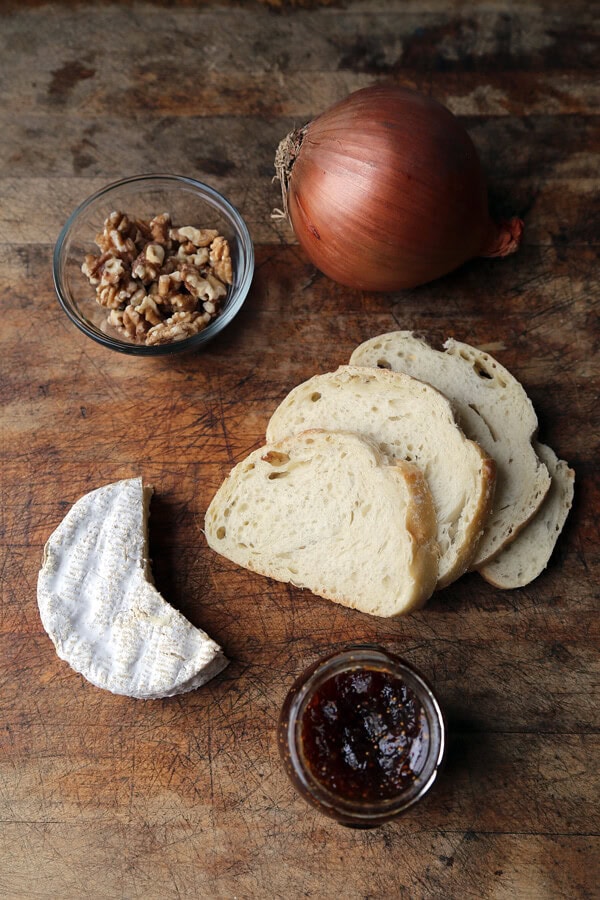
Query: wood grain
{"points": [[115, 798]]}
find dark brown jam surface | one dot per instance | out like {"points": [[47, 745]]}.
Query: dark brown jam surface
{"points": [[364, 735]]}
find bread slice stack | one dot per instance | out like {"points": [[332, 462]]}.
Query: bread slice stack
{"points": [[409, 420], [329, 511], [392, 476], [528, 554], [534, 490]]}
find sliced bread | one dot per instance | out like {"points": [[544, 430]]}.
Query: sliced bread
{"points": [[409, 420], [493, 409], [528, 555], [331, 513]]}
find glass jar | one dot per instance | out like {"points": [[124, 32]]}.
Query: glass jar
{"points": [[362, 736]]}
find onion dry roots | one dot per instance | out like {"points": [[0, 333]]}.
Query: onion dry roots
{"points": [[385, 191]]}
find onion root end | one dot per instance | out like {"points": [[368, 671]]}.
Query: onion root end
{"points": [[505, 238]]}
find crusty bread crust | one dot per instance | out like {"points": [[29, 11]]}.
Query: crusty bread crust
{"points": [[409, 420], [528, 555], [328, 511], [493, 410]]}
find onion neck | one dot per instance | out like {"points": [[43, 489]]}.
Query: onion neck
{"points": [[286, 155], [504, 238]]}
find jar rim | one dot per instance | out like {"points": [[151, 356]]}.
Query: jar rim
{"points": [[377, 658]]}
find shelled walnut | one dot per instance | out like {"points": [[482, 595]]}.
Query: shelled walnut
{"points": [[159, 283]]}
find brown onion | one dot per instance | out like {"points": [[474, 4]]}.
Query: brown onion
{"points": [[385, 190]]}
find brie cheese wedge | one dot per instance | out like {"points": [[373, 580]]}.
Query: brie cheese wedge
{"points": [[101, 610]]}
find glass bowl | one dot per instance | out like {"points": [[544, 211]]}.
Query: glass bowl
{"points": [[189, 202]]}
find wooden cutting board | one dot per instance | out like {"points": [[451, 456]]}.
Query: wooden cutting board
{"points": [[108, 797]]}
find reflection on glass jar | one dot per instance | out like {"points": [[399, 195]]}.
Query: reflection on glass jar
{"points": [[362, 736]]}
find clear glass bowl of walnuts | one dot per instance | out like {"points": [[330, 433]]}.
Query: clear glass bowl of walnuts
{"points": [[153, 265]]}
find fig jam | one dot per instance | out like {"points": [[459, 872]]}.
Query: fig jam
{"points": [[362, 736]]}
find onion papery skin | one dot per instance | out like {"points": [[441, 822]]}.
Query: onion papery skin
{"points": [[385, 191]]}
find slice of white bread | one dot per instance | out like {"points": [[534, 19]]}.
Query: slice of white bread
{"points": [[528, 555], [492, 408], [329, 512], [408, 420]]}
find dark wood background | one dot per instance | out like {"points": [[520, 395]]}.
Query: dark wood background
{"points": [[109, 797]]}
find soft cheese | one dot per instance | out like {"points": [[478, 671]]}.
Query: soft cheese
{"points": [[100, 608]]}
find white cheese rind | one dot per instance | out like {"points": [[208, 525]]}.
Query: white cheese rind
{"points": [[101, 610]]}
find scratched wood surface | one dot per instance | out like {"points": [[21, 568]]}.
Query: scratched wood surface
{"points": [[114, 798]]}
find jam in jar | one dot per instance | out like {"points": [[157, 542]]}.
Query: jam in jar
{"points": [[362, 736]]}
